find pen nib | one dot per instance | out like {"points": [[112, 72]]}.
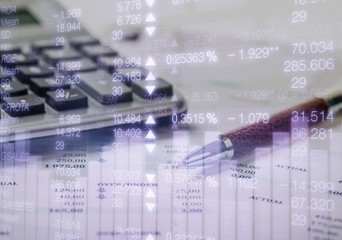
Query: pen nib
{"points": [[211, 152]]}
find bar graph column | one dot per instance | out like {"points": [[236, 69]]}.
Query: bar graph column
{"points": [[31, 192], [104, 194], [119, 190], [245, 199], [43, 204], [80, 219], [179, 188], [335, 178], [93, 215], [228, 206], [164, 201], [135, 178], [211, 195], [19, 199], [150, 206], [192, 198], [263, 197], [319, 203], [281, 219], [299, 168], [7, 175]]}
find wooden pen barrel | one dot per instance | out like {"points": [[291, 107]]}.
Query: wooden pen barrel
{"points": [[247, 138]]}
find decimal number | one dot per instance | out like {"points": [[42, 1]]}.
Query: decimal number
{"points": [[255, 53], [68, 79], [67, 224], [128, 5], [315, 133], [129, 76], [70, 119], [131, 132], [314, 204], [61, 235], [251, 118], [313, 116], [68, 27], [130, 118], [68, 172], [258, 95], [185, 58], [71, 13], [68, 132], [204, 97], [128, 62], [181, 2], [129, 20], [313, 186], [303, 2], [181, 236], [194, 118], [69, 66], [317, 64], [302, 48]]}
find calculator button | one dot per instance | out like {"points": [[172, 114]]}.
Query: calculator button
{"points": [[26, 73], [45, 44], [12, 89], [94, 51], [55, 55], [66, 99], [146, 89], [99, 85], [23, 105], [18, 59], [106, 63], [133, 36], [42, 85], [74, 66], [78, 42]]}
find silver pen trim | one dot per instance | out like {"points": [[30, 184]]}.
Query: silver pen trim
{"points": [[229, 153], [334, 101], [220, 149]]}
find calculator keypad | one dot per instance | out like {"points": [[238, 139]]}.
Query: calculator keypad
{"points": [[66, 99], [81, 77]]}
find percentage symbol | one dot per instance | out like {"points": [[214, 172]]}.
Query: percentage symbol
{"points": [[212, 118], [211, 56], [212, 181]]}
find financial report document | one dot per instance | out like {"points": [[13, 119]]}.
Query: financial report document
{"points": [[236, 63]]}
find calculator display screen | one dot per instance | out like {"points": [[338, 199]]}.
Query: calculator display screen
{"points": [[17, 18]]}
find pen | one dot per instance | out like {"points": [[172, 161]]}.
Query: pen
{"points": [[242, 141]]}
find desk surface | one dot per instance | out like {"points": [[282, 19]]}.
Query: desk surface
{"points": [[120, 185]]}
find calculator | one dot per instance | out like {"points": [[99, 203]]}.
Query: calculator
{"points": [[57, 78]]}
